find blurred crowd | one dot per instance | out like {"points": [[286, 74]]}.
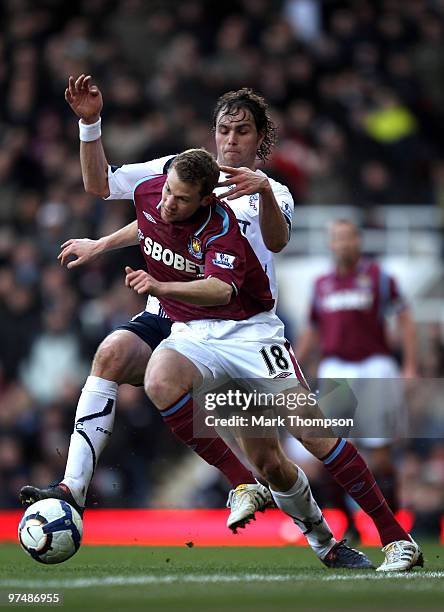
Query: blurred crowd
{"points": [[356, 90]]}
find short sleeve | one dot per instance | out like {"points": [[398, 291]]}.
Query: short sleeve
{"points": [[284, 200], [392, 300], [225, 255], [123, 179]]}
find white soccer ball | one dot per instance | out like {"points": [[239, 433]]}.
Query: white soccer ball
{"points": [[50, 531]]}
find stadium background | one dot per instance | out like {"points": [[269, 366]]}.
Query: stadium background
{"points": [[357, 91]]}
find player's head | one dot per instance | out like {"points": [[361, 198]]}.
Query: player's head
{"points": [[190, 182], [345, 241], [243, 128]]}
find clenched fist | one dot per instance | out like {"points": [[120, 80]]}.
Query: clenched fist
{"points": [[142, 282]]}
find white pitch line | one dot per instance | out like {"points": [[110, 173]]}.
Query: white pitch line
{"points": [[385, 575], [148, 579], [79, 583]]}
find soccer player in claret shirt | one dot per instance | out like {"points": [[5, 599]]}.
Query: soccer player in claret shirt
{"points": [[211, 284]]}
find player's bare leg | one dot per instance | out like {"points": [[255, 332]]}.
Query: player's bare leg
{"points": [[120, 358], [168, 382], [170, 375]]}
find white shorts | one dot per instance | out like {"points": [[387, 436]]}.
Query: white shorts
{"points": [[376, 366], [223, 350], [380, 401]]}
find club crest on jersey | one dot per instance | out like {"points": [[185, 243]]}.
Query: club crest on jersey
{"points": [[140, 235], [149, 217], [195, 247], [254, 198], [223, 260]]}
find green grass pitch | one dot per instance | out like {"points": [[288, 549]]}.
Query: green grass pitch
{"points": [[216, 579]]}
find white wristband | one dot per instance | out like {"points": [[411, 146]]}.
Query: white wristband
{"points": [[91, 131]]}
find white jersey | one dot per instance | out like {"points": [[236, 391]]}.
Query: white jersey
{"points": [[122, 181]]}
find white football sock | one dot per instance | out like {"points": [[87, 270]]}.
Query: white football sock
{"points": [[92, 430], [299, 503]]}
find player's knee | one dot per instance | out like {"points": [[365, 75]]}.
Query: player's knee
{"points": [[154, 388], [110, 360], [165, 384], [318, 447], [160, 390]]}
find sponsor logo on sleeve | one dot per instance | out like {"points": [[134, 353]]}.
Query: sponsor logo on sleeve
{"points": [[223, 260], [286, 208], [254, 199]]}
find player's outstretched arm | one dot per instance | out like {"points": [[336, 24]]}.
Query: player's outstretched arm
{"points": [[87, 103], [272, 222], [85, 250], [205, 292]]}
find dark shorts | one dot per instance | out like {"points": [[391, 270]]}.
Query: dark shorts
{"points": [[150, 328]]}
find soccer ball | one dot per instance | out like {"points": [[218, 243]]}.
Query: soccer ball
{"points": [[50, 531]]}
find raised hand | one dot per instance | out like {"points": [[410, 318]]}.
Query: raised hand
{"points": [[141, 281], [83, 249], [245, 181], [84, 99]]}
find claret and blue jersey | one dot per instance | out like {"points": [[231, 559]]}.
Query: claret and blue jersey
{"points": [[209, 244], [349, 311]]}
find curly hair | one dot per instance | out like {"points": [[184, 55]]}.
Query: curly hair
{"points": [[246, 99], [197, 166]]}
